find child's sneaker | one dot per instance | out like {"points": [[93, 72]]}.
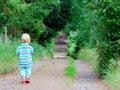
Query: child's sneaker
{"points": [[27, 80], [23, 82]]}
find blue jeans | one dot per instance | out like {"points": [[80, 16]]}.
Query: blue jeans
{"points": [[25, 71]]}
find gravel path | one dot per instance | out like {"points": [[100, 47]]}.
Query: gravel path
{"points": [[49, 75], [86, 79]]}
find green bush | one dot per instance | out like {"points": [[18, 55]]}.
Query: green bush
{"points": [[70, 69]]}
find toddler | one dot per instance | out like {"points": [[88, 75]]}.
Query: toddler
{"points": [[24, 53]]}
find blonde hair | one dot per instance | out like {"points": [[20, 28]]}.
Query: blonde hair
{"points": [[25, 38]]}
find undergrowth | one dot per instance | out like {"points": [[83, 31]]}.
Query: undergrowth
{"points": [[89, 55]]}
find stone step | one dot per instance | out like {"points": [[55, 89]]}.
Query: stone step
{"points": [[59, 55], [60, 48]]}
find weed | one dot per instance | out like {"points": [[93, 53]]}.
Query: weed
{"points": [[70, 70]]}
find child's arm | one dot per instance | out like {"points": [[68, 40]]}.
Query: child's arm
{"points": [[17, 51], [32, 50]]}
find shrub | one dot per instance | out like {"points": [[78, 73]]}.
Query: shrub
{"points": [[70, 70]]}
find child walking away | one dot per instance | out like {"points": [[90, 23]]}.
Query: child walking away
{"points": [[24, 53]]}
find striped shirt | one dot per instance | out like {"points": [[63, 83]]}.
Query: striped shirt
{"points": [[24, 53]]}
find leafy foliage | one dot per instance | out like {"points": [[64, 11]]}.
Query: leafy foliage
{"points": [[108, 48], [95, 24], [25, 17], [77, 28], [55, 21]]}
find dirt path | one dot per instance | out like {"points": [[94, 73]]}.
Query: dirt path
{"points": [[86, 79], [48, 75]]}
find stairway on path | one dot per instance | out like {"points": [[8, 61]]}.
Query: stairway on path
{"points": [[60, 46], [85, 79]]}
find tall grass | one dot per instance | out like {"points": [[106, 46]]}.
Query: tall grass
{"points": [[113, 79], [8, 58], [88, 54]]}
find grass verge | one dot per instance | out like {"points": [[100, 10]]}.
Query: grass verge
{"points": [[89, 55]]}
